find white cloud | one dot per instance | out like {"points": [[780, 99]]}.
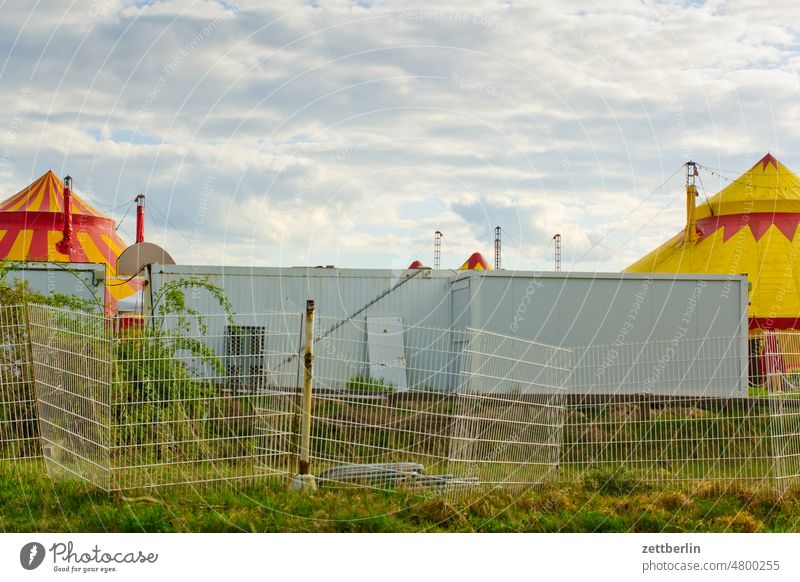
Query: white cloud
{"points": [[349, 131]]}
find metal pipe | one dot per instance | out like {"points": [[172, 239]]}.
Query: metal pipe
{"points": [[497, 249], [691, 203], [437, 249], [140, 218], [557, 252], [308, 381], [64, 246]]}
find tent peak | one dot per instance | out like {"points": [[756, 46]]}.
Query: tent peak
{"points": [[767, 160], [475, 262]]}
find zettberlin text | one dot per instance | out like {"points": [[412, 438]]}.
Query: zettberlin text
{"points": [[671, 549]]}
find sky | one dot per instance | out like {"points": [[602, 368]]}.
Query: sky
{"points": [[346, 133]]}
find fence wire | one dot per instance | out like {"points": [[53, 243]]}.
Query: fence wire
{"points": [[427, 408], [778, 361], [19, 435], [214, 399], [671, 439], [72, 367], [196, 399], [178, 401]]}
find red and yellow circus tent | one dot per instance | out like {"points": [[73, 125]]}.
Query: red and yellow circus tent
{"points": [[748, 227], [475, 262], [32, 225]]}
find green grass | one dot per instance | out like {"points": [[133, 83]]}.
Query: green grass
{"points": [[369, 385], [31, 501]]}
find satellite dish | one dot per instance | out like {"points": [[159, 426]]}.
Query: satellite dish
{"points": [[137, 256]]}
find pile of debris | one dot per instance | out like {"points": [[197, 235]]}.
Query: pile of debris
{"points": [[392, 475]]}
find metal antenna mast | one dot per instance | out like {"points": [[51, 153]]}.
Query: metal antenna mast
{"points": [[437, 249], [497, 248], [691, 203], [557, 251]]}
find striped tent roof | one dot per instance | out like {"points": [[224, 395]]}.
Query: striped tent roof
{"points": [[47, 195], [751, 226], [475, 262], [32, 222]]}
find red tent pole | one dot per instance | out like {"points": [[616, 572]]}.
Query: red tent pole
{"points": [[64, 246], [140, 218]]}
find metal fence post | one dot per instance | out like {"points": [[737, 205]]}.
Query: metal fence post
{"points": [[304, 478]]}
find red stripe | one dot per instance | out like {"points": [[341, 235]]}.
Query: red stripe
{"points": [[14, 200], [758, 222], [38, 248], [78, 254], [8, 242], [115, 238], [55, 221], [86, 209], [111, 303], [105, 250], [32, 196], [767, 323], [11, 201]]}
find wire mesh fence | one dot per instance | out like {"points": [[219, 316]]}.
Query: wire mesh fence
{"points": [[427, 408], [72, 368], [196, 399], [698, 367], [215, 399], [176, 401], [672, 439], [19, 436], [778, 354], [669, 411], [510, 411]]}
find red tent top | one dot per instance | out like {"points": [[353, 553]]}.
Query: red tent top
{"points": [[32, 222], [475, 262]]}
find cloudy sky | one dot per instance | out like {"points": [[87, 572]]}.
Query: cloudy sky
{"points": [[348, 132]]}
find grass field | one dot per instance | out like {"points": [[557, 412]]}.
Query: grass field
{"points": [[30, 501]]}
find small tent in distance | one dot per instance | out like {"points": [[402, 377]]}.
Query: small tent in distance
{"points": [[32, 225]]}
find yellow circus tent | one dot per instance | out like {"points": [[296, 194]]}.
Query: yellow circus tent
{"points": [[32, 226], [749, 227]]}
